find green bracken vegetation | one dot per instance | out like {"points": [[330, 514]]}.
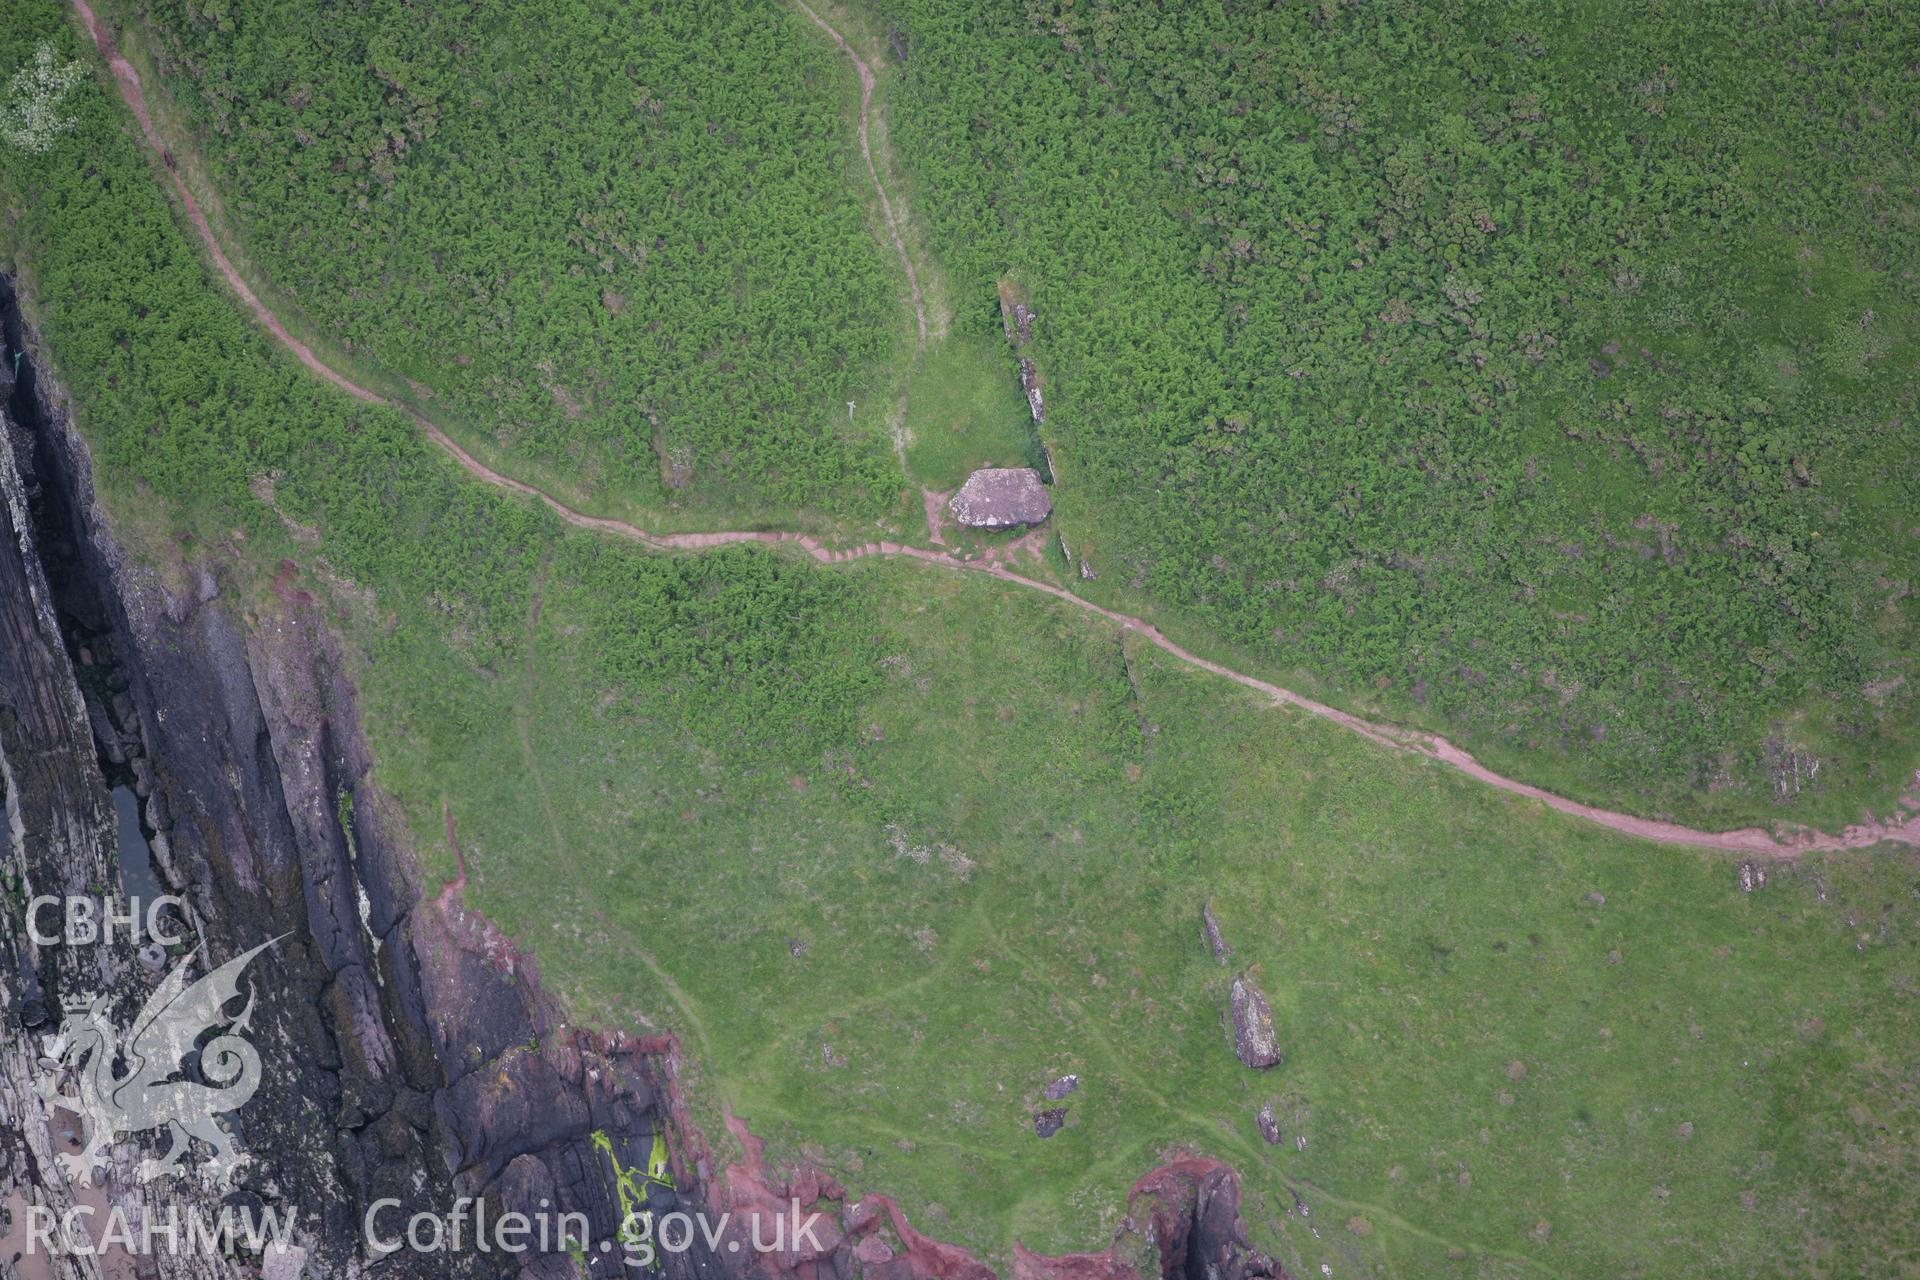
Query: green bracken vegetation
{"points": [[1544, 378], [891, 846], [1544, 373], [623, 244]]}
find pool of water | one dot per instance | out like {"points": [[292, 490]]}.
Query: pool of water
{"points": [[137, 879]]}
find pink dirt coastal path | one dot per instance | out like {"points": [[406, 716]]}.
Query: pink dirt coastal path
{"points": [[1787, 843]]}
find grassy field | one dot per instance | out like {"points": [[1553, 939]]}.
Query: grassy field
{"points": [[995, 878], [965, 410]]}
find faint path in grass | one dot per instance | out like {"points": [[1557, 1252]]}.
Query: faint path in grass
{"points": [[680, 998], [523, 710], [961, 937], [1788, 842], [897, 415], [866, 1123], [1116, 1068], [867, 82], [932, 504]]}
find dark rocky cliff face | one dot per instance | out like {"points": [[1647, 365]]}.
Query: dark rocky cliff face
{"points": [[403, 1057], [407, 1052]]}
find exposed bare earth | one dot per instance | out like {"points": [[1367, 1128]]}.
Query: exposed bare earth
{"points": [[1903, 828]]}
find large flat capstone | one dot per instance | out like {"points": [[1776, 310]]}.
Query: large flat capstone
{"points": [[1001, 498]]}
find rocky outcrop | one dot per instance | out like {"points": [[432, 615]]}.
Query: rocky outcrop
{"points": [[1030, 386], [407, 1055], [1184, 1217], [251, 776], [1016, 321], [61, 843], [1254, 1042], [1182, 1223], [1016, 317], [410, 1054], [1001, 498]]}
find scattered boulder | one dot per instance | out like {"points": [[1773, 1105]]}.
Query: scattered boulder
{"points": [[1001, 498], [1049, 1122], [1030, 383], [1211, 927], [1062, 1087], [1254, 1042], [1752, 876], [1269, 1123]]}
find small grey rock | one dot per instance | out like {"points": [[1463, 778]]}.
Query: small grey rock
{"points": [[1269, 1123], [1211, 927], [1030, 383], [1061, 1088]]}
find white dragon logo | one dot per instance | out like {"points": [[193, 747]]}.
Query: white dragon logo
{"points": [[147, 1095]]}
